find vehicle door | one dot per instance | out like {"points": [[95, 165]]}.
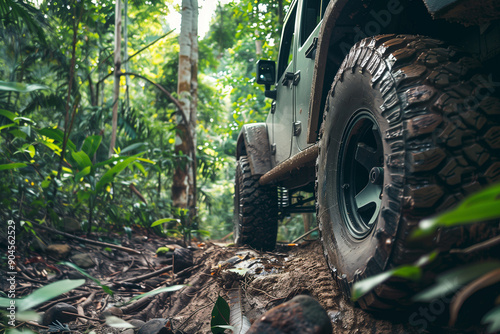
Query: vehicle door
{"points": [[282, 113], [312, 12]]}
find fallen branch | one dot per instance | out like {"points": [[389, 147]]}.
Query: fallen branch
{"points": [[227, 236], [66, 299], [83, 316], [304, 235], [148, 275], [138, 304], [81, 307], [181, 274], [150, 310], [88, 241], [32, 323]]}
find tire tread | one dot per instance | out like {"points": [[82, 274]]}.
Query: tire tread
{"points": [[445, 143]]}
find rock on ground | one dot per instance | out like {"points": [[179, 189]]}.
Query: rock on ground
{"points": [[303, 314]]}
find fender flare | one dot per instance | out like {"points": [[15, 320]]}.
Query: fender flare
{"points": [[253, 142], [332, 13], [453, 10]]}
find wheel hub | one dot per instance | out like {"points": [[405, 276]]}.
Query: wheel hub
{"points": [[361, 174]]}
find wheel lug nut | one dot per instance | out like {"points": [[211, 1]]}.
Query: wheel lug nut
{"points": [[377, 175]]}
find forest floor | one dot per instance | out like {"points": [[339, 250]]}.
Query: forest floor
{"points": [[265, 280], [277, 277]]}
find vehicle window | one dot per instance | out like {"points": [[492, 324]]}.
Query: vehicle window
{"points": [[286, 50], [290, 54], [311, 15]]}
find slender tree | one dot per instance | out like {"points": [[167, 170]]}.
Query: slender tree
{"points": [[125, 54], [117, 72], [194, 106], [184, 179]]}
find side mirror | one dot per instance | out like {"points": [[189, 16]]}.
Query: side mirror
{"points": [[266, 75], [266, 72]]}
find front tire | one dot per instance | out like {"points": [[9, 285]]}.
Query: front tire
{"points": [[255, 210], [400, 141]]}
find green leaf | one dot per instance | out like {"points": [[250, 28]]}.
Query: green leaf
{"points": [[31, 151], [26, 129], [20, 87], [162, 250], [58, 135], [28, 316], [82, 173], [91, 144], [455, 279], [18, 133], [116, 322], [220, 316], [84, 273], [482, 206], [17, 331], [147, 160], [140, 167], [56, 149], [201, 232], [7, 126], [12, 166], [412, 272], [83, 195], [82, 159], [157, 291], [110, 174], [8, 114], [107, 162], [361, 288], [493, 318], [43, 294], [164, 220], [132, 147], [26, 119]]}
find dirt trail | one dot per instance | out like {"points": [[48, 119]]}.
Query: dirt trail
{"points": [[278, 277], [269, 279]]}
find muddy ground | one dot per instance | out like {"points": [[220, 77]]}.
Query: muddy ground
{"points": [[288, 272], [265, 280]]}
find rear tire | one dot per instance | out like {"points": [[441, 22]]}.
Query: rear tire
{"points": [[409, 130], [255, 210]]}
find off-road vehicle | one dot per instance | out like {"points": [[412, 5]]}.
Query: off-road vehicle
{"points": [[385, 112]]}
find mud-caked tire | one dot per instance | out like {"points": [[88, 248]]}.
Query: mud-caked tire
{"points": [[411, 127], [255, 209]]}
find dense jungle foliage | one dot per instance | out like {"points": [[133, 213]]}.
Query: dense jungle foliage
{"points": [[56, 96]]}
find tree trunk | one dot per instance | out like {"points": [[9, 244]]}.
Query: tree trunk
{"points": [[280, 12], [125, 53], [116, 89], [194, 106], [258, 48], [307, 219], [183, 191]]}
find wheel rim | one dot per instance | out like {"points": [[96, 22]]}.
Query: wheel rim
{"points": [[360, 177]]}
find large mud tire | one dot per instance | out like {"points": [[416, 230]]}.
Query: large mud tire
{"points": [[255, 210], [410, 128]]}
